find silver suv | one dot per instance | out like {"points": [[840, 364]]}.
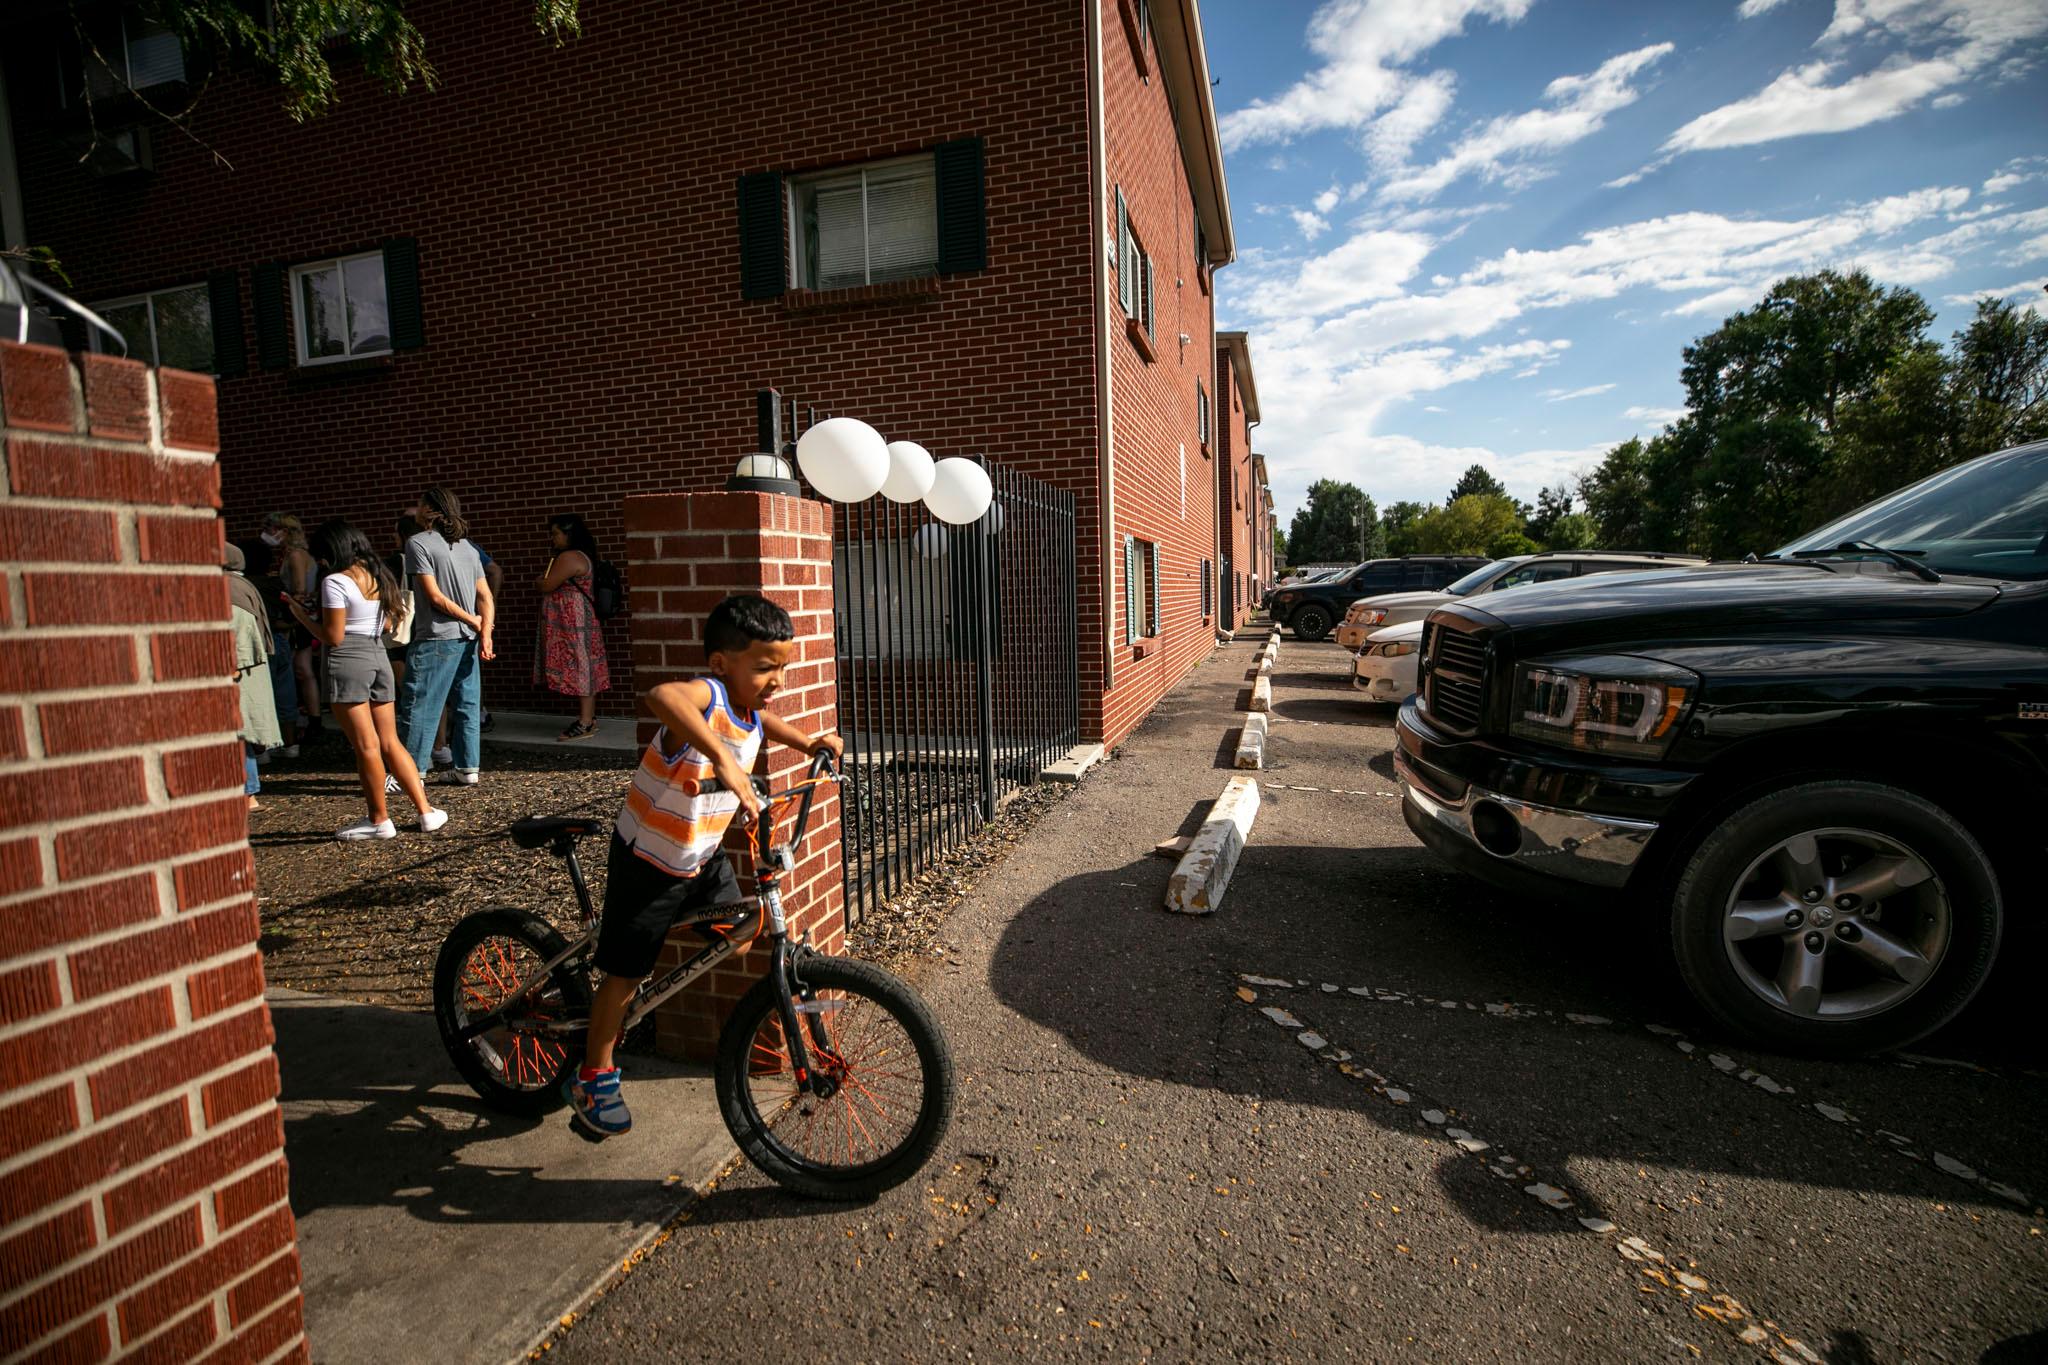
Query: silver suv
{"points": [[1392, 609]]}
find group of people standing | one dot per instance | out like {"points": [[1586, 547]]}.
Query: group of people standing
{"points": [[391, 647]]}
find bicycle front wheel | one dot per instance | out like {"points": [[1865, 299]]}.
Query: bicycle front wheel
{"points": [[884, 1061], [513, 1065]]}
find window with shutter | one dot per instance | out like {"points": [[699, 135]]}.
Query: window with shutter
{"points": [[171, 327], [1152, 589], [1126, 258], [868, 225], [1145, 272], [1207, 602], [1132, 591], [340, 310]]}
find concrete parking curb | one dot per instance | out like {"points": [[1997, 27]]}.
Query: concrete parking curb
{"points": [[1262, 694], [1251, 741], [1198, 883]]}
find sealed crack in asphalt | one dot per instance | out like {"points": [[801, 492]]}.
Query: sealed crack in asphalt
{"points": [[1659, 1273]]}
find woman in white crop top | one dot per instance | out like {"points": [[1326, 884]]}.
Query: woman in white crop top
{"points": [[359, 601]]}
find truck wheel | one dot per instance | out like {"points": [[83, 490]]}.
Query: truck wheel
{"points": [[1310, 623], [1836, 918]]}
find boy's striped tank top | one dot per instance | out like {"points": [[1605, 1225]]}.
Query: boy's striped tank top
{"points": [[667, 820]]}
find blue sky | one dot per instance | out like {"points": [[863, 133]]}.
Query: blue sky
{"points": [[1482, 230]]}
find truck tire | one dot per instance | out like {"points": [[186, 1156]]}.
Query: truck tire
{"points": [[1310, 623], [1836, 918]]}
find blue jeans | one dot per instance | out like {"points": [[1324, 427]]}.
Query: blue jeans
{"points": [[252, 781], [441, 673], [284, 689]]}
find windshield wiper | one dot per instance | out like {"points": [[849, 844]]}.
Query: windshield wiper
{"points": [[1919, 571], [1754, 558]]}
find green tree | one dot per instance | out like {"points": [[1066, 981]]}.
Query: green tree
{"points": [[1472, 525], [1330, 526], [1397, 527], [2001, 378], [1551, 504], [1279, 546], [1617, 496], [294, 40], [1573, 531], [1476, 482]]}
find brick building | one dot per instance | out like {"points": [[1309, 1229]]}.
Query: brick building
{"points": [[1244, 502], [559, 279]]}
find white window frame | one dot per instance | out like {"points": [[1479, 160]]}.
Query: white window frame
{"points": [[148, 299], [793, 191], [337, 264]]}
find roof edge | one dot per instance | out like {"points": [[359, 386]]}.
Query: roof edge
{"points": [[1184, 61], [1240, 347]]}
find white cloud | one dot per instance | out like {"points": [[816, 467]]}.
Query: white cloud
{"points": [[1750, 9], [2015, 173], [1422, 105], [1312, 225], [1567, 395], [1934, 45], [1577, 107], [2026, 291], [1948, 101], [1362, 45], [1371, 265], [1658, 416], [1327, 200], [1431, 407]]}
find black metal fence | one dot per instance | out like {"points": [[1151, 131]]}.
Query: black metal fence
{"points": [[958, 670]]}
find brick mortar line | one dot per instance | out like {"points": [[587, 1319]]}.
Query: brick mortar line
{"points": [[156, 805], [152, 444], [111, 875], [128, 1051], [171, 976], [154, 749]]}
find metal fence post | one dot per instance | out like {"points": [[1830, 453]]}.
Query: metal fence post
{"points": [[984, 694]]}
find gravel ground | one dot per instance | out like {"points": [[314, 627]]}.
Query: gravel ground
{"points": [[363, 921]]}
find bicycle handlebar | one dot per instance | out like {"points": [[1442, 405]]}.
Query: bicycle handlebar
{"points": [[764, 827]]}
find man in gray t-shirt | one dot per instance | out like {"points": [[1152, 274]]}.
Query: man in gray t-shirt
{"points": [[455, 570]]}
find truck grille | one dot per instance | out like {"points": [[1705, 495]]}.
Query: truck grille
{"points": [[1457, 678]]}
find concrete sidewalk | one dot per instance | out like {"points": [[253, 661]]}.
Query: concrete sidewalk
{"points": [[434, 1228]]}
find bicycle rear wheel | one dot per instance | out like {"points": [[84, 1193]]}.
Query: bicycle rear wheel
{"points": [[886, 1060], [482, 962]]}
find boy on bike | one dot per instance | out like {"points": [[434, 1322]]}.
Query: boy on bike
{"points": [[666, 855]]}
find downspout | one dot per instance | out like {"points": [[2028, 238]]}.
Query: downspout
{"points": [[1105, 461], [13, 229]]}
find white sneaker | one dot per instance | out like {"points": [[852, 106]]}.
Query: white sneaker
{"points": [[431, 820], [457, 777], [390, 785], [290, 751], [444, 757], [366, 828]]}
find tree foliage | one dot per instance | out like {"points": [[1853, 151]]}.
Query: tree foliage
{"points": [[292, 40], [1338, 523], [1397, 527], [1825, 395], [1474, 524], [1476, 482]]}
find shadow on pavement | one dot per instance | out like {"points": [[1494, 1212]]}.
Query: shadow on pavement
{"points": [[1394, 919]]}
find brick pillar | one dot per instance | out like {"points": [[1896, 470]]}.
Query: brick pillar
{"points": [[142, 1173], [688, 551]]}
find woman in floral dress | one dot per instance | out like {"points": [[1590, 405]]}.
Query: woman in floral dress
{"points": [[568, 655]]}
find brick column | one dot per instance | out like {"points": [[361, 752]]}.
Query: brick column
{"points": [[142, 1174], [687, 552]]}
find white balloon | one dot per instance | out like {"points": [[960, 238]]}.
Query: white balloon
{"points": [[995, 518], [910, 472], [844, 458], [960, 491], [931, 540]]}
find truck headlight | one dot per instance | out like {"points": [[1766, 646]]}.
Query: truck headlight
{"points": [[1616, 704], [1366, 616]]}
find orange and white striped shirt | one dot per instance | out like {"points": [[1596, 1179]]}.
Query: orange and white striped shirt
{"points": [[667, 820]]}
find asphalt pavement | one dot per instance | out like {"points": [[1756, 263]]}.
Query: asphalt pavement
{"points": [[1370, 1110]]}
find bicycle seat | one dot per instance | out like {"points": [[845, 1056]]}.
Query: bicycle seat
{"points": [[537, 831]]}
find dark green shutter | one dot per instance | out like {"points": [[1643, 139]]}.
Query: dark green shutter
{"points": [[224, 301], [1130, 590], [1152, 591], [959, 169], [273, 347], [402, 293], [1145, 283], [1124, 292], [762, 264]]}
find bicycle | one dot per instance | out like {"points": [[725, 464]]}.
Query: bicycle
{"points": [[832, 1075]]}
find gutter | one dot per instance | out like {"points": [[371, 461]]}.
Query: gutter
{"points": [[1105, 445], [1195, 110]]}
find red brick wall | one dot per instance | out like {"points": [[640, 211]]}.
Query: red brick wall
{"points": [[142, 1174], [1153, 413], [688, 552], [579, 261], [1238, 502]]}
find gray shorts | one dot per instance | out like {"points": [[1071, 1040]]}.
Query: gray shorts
{"points": [[359, 670]]}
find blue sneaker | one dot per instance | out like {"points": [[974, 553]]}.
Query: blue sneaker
{"points": [[596, 1103]]}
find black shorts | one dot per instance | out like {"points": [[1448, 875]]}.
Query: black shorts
{"points": [[642, 903]]}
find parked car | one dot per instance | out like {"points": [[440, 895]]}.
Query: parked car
{"points": [[1310, 609], [1390, 609], [1825, 768], [1385, 668]]}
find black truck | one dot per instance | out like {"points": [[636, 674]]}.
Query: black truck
{"points": [[1828, 766], [1311, 609]]}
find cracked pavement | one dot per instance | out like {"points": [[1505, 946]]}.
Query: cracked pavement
{"points": [[1507, 1137]]}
